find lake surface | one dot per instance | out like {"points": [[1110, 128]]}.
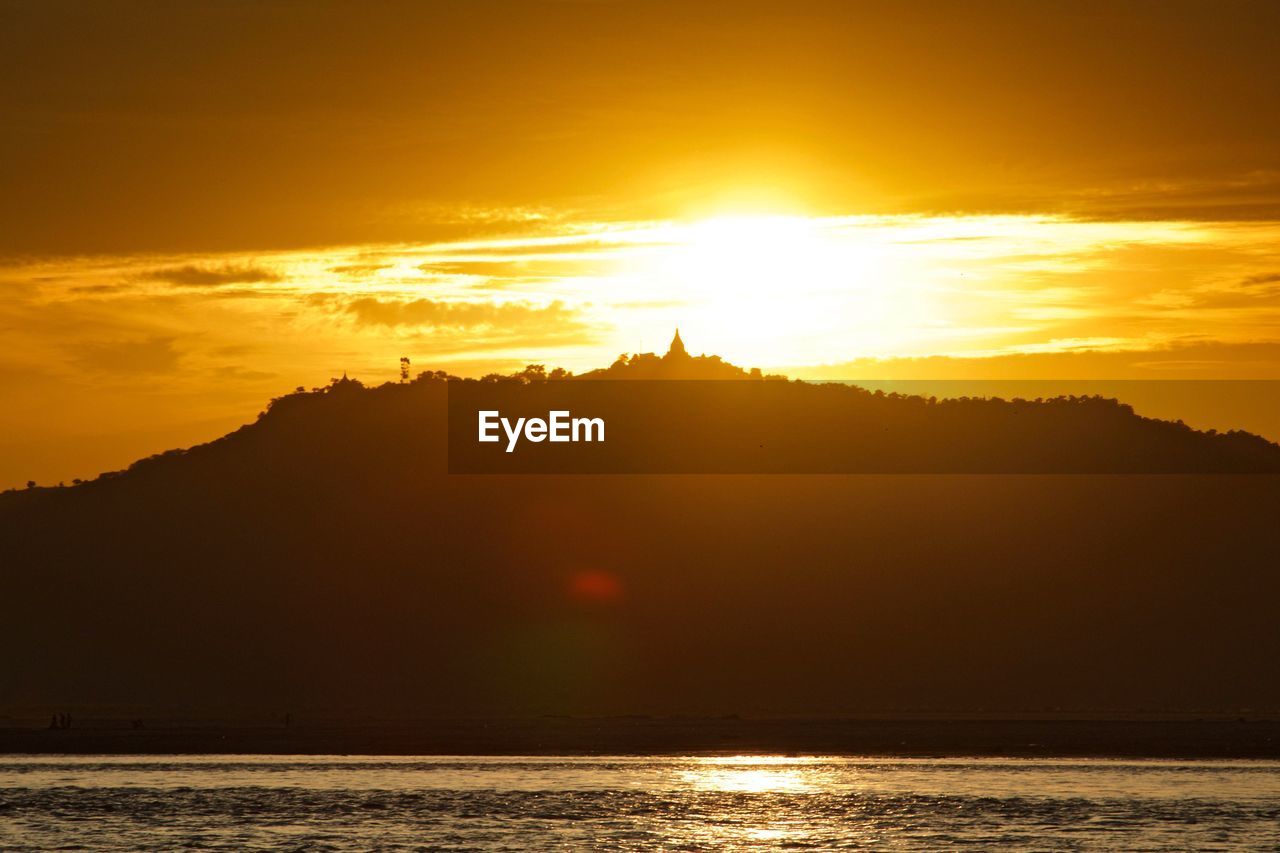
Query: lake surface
{"points": [[518, 803]]}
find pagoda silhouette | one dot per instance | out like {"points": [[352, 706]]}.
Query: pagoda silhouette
{"points": [[676, 351], [677, 363]]}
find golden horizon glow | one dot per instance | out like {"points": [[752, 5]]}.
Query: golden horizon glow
{"points": [[767, 290], [181, 346]]}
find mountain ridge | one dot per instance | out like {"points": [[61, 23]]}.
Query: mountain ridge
{"points": [[323, 557], [1243, 451]]}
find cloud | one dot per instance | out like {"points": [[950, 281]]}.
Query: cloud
{"points": [[1189, 359], [451, 327], [192, 275], [1261, 278], [457, 315], [97, 288], [235, 372], [357, 270], [480, 268], [153, 355], [1258, 294]]}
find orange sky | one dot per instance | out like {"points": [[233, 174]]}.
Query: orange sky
{"points": [[206, 204]]}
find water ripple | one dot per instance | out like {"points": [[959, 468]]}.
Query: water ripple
{"points": [[253, 803]]}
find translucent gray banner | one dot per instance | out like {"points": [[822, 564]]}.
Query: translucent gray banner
{"points": [[861, 426]]}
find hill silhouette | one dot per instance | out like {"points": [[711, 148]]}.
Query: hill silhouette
{"points": [[723, 419], [322, 557], [678, 363]]}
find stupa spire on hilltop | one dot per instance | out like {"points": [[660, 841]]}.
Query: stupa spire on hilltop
{"points": [[677, 350]]}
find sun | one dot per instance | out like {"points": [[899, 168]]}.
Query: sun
{"points": [[762, 282], [749, 256], [755, 273]]}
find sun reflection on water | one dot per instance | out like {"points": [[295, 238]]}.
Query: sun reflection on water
{"points": [[761, 787], [632, 803], [752, 775]]}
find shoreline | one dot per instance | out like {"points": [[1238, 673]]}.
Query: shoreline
{"points": [[1242, 738]]}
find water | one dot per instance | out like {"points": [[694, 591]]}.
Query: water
{"points": [[357, 803]]}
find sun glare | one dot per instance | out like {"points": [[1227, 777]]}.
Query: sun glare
{"points": [[745, 257], [751, 774], [765, 283]]}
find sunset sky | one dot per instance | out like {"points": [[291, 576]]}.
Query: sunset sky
{"points": [[206, 204]]}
